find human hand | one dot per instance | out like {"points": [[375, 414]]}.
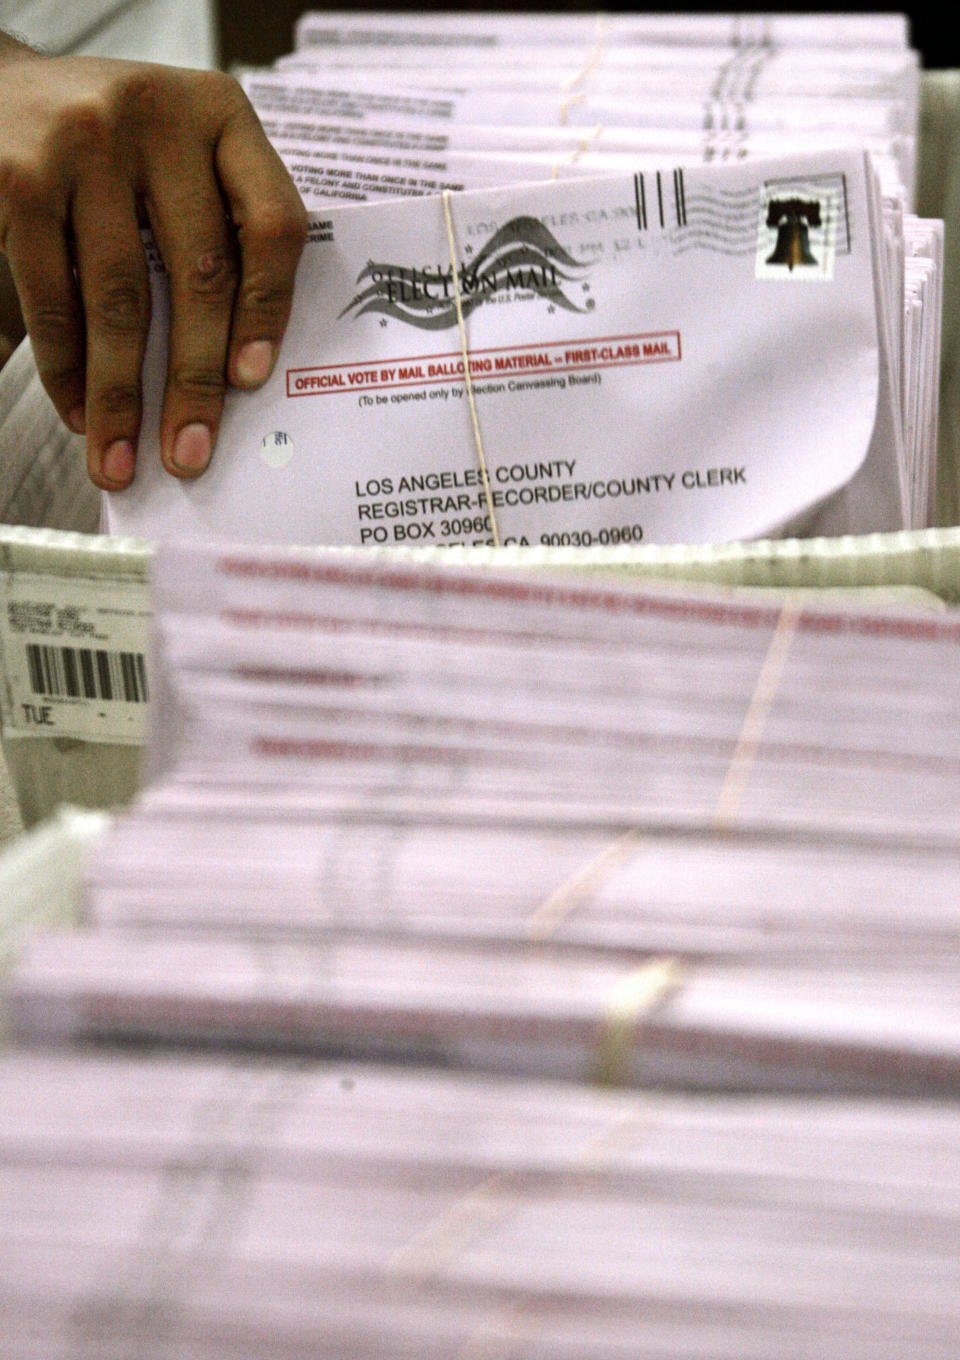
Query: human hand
{"points": [[90, 148]]}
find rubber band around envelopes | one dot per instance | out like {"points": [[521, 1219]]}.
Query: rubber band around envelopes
{"points": [[425, 1253], [593, 58], [633, 998], [572, 156], [645, 988], [468, 381]]}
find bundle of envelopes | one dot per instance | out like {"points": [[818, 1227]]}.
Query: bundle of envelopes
{"points": [[684, 301], [176, 1205], [549, 829], [417, 832], [455, 102]]}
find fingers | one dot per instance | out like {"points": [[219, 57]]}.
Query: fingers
{"points": [[116, 303], [271, 226], [231, 283], [107, 138], [192, 232]]}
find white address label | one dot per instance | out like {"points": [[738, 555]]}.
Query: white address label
{"points": [[73, 655]]}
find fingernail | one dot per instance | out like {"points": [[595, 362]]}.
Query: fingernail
{"points": [[118, 462], [191, 448], [254, 363], [77, 419]]}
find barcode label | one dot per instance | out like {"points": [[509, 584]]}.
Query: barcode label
{"points": [[87, 673], [72, 651]]}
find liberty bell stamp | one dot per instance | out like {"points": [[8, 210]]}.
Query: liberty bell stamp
{"points": [[802, 225]]}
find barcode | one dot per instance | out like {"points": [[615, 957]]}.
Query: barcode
{"points": [[86, 673]]}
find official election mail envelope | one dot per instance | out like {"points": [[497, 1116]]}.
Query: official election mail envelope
{"points": [[310, 105], [697, 355], [316, 30]]}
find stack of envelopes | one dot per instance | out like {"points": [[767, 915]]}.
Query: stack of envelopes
{"points": [[686, 300], [486, 827], [173, 1205], [538, 827]]}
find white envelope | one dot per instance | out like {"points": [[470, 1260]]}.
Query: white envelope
{"points": [[696, 356], [719, 123], [452, 95], [482, 30]]}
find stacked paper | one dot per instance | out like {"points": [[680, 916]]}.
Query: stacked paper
{"points": [[174, 1205], [695, 86], [539, 828], [64, 746], [516, 1010]]}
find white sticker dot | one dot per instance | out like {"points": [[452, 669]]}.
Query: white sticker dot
{"points": [[276, 449]]}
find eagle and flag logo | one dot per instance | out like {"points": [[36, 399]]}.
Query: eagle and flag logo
{"points": [[523, 256]]}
